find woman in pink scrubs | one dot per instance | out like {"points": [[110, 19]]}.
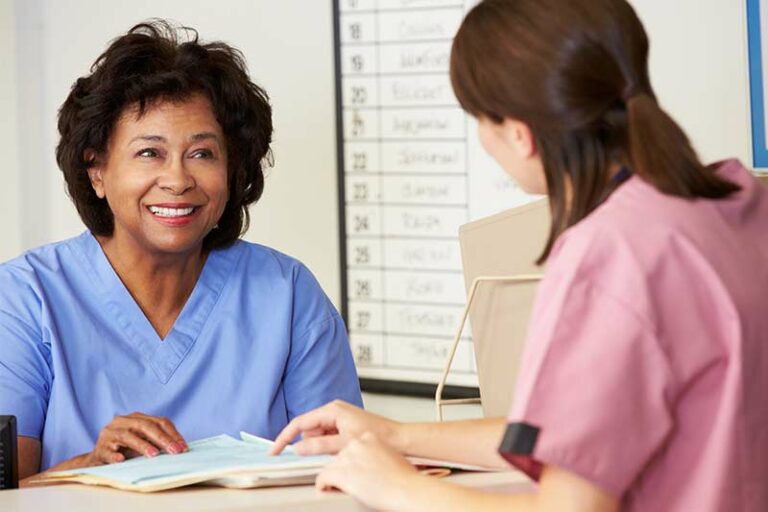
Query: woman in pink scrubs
{"points": [[643, 383]]}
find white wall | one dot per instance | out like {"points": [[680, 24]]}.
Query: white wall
{"points": [[699, 67], [698, 62], [10, 202], [288, 46]]}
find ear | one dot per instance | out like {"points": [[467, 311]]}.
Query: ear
{"points": [[94, 173], [519, 136]]}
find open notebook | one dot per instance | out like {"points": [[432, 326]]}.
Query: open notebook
{"points": [[222, 461]]}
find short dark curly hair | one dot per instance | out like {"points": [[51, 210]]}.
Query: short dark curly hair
{"points": [[156, 61]]}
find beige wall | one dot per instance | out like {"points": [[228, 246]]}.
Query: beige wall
{"points": [[698, 62]]}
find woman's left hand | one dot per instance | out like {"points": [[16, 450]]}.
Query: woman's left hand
{"points": [[372, 472]]}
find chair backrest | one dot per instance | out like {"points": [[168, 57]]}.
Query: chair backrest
{"points": [[506, 244]]}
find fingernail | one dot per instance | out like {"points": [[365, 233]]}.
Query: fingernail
{"points": [[152, 452], [175, 447]]}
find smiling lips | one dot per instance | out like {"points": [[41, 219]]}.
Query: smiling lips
{"points": [[174, 214]]}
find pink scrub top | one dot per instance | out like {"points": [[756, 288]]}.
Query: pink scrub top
{"points": [[646, 366]]}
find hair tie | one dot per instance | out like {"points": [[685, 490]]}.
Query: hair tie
{"points": [[630, 92]]}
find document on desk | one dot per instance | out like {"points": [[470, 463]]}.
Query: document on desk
{"points": [[220, 460]]}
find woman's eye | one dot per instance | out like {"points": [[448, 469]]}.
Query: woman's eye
{"points": [[147, 153], [203, 153]]}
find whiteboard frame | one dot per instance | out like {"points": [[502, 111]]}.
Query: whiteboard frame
{"points": [[757, 85]]}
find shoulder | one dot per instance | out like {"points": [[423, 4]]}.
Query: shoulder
{"points": [[634, 226], [641, 244], [617, 233], [628, 248], [44, 256], [25, 270], [640, 224], [264, 262], [284, 276], [23, 280]]}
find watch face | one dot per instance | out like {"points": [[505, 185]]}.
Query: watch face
{"points": [[8, 457]]}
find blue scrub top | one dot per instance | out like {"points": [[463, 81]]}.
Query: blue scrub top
{"points": [[257, 343]]}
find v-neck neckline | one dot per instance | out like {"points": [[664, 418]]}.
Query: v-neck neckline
{"points": [[162, 355]]}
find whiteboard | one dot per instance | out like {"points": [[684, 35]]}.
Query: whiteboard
{"points": [[411, 171]]}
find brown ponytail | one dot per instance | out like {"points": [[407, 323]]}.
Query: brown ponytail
{"points": [[657, 145], [577, 73]]}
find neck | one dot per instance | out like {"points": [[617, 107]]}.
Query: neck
{"points": [[160, 283], [613, 170]]}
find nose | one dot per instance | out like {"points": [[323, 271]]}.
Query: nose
{"points": [[176, 178]]}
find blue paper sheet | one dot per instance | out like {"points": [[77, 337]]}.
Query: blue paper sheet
{"points": [[220, 453]]}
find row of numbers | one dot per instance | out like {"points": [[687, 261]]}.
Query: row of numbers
{"points": [[405, 181]]}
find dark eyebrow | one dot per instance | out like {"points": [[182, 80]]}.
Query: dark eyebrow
{"points": [[204, 136], [194, 138], [153, 138]]}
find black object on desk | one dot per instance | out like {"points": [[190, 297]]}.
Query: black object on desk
{"points": [[9, 464]]}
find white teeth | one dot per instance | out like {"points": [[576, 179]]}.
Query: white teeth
{"points": [[170, 212]]}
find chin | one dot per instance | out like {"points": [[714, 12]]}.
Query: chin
{"points": [[533, 189], [175, 244]]}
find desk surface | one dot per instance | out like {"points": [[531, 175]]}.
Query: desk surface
{"points": [[83, 498]]}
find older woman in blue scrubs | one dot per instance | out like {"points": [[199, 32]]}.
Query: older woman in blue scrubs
{"points": [[158, 324]]}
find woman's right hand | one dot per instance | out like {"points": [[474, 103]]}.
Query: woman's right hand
{"points": [[133, 435], [125, 437], [329, 428]]}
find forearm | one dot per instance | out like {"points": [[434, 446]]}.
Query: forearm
{"points": [[448, 441], [429, 493], [80, 461], [558, 491]]}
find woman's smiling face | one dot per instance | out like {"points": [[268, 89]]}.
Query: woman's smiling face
{"points": [[165, 175]]}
